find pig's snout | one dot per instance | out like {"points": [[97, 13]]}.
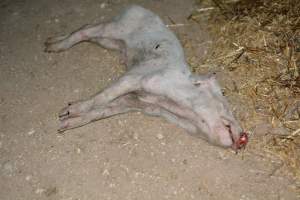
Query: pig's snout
{"points": [[230, 135], [238, 142], [241, 142]]}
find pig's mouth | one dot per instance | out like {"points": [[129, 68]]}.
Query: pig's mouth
{"points": [[230, 133], [240, 142]]}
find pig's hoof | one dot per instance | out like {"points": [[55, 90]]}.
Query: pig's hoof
{"points": [[64, 114], [75, 110], [51, 40], [52, 48], [71, 123], [63, 126], [54, 44], [68, 112]]}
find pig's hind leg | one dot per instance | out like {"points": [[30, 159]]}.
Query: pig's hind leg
{"points": [[99, 34]]}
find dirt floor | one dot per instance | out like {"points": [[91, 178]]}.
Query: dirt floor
{"points": [[131, 156]]}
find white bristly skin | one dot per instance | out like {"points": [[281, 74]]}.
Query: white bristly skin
{"points": [[158, 81]]}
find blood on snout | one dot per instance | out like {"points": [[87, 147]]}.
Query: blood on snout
{"points": [[242, 141]]}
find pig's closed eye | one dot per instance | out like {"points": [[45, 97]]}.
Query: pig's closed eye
{"points": [[223, 92], [157, 46], [197, 84]]}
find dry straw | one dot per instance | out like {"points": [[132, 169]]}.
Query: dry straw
{"points": [[257, 44]]}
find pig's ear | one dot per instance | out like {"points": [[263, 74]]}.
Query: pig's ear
{"points": [[203, 79], [208, 81]]}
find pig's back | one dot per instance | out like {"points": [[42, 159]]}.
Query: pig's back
{"points": [[146, 32]]}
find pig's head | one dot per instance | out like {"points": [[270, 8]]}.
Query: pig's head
{"points": [[216, 120]]}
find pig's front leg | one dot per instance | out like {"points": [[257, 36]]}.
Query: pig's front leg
{"points": [[120, 105], [171, 117], [126, 84], [169, 110], [123, 104]]}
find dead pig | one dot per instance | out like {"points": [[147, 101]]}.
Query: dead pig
{"points": [[158, 81]]}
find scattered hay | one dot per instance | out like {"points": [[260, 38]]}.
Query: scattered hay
{"points": [[257, 45]]}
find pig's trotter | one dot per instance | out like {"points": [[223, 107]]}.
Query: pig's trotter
{"points": [[56, 39], [120, 105], [63, 115], [70, 123], [55, 44], [75, 109], [123, 86], [61, 43]]}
